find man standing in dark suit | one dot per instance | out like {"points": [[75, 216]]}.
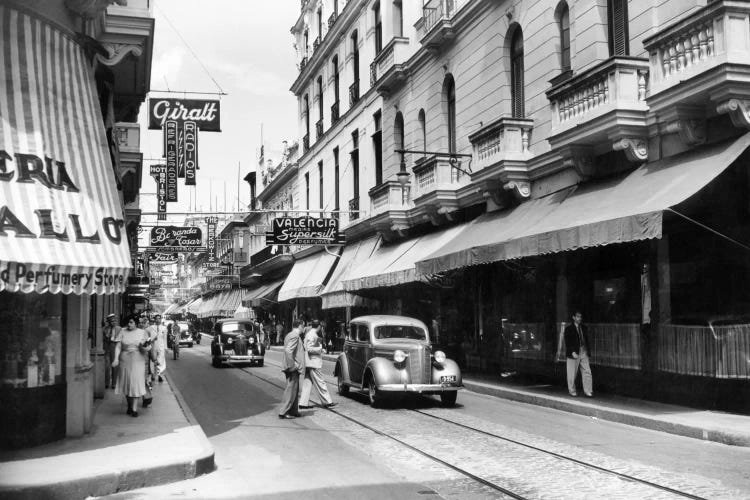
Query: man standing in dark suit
{"points": [[577, 353], [292, 364]]}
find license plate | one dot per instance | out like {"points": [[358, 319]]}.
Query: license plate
{"points": [[447, 378]]}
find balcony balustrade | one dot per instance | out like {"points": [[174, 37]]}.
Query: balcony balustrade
{"points": [[702, 60], [128, 136], [387, 69], [335, 112], [354, 209], [353, 93], [319, 129], [505, 139], [436, 23], [435, 173], [303, 63], [389, 196], [603, 107], [306, 142]]}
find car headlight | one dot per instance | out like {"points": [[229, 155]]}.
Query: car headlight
{"points": [[399, 356], [229, 340], [439, 357]]}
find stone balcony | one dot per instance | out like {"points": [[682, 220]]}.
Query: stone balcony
{"points": [[435, 28], [700, 66], [437, 179], [388, 69], [602, 108], [389, 207], [500, 155]]}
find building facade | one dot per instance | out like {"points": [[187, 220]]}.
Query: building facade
{"points": [[507, 163], [75, 75]]}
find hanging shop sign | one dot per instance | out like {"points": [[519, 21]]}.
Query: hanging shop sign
{"points": [[211, 238], [205, 113], [61, 224], [180, 158], [220, 283], [170, 151], [159, 173], [175, 249], [162, 258], [174, 236], [190, 156], [305, 231]]}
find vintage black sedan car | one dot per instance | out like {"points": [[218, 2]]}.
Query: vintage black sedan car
{"points": [[392, 354], [236, 341]]}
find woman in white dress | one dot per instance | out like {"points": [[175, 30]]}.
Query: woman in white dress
{"points": [[131, 353]]}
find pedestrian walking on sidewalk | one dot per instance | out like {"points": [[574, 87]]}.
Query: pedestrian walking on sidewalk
{"points": [[158, 352], [131, 353], [293, 365], [110, 332], [313, 370], [577, 353], [151, 333]]}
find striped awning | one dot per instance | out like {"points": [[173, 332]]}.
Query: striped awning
{"points": [[61, 222]]}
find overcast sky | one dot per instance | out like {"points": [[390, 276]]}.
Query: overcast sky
{"points": [[246, 46]]}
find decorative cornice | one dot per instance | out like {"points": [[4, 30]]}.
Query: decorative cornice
{"points": [[118, 51], [738, 110], [636, 148]]}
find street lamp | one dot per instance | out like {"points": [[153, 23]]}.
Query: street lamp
{"points": [[403, 175]]}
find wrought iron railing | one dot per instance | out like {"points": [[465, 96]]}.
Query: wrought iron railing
{"points": [[306, 142], [354, 93], [319, 129], [354, 209], [334, 112]]}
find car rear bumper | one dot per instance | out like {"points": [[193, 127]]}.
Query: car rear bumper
{"points": [[420, 388]]}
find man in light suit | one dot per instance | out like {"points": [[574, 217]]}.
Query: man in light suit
{"points": [[293, 365], [313, 367], [577, 353]]}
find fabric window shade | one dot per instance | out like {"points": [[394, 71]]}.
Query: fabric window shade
{"points": [[617, 12]]}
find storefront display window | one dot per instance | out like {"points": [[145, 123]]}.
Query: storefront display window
{"points": [[32, 336]]}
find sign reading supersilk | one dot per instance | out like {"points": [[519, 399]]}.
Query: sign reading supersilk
{"points": [[305, 231]]}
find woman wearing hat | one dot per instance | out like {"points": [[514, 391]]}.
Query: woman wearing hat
{"points": [[131, 353]]}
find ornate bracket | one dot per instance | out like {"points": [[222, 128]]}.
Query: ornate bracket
{"points": [[521, 190], [692, 130], [738, 110], [636, 148], [581, 159], [118, 51]]}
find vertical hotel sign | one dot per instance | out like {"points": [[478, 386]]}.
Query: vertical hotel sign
{"points": [[159, 173]]}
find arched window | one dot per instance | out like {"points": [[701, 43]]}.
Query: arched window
{"points": [[398, 131], [355, 57], [320, 98], [563, 21], [516, 74], [335, 64], [617, 27], [449, 98], [422, 130]]}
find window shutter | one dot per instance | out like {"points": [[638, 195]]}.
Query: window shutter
{"points": [[517, 86], [618, 28]]}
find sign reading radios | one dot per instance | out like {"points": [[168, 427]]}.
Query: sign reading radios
{"points": [[173, 236], [205, 113], [190, 131], [304, 231]]}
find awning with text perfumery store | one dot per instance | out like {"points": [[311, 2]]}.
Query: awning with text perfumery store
{"points": [[61, 223]]}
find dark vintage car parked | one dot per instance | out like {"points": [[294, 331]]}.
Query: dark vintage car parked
{"points": [[392, 354], [236, 341]]}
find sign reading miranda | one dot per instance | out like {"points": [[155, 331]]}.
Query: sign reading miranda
{"points": [[204, 113], [173, 236], [304, 231]]}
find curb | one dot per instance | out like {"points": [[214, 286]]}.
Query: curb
{"points": [[563, 403]]}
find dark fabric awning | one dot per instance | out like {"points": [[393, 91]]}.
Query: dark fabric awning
{"points": [[263, 294], [616, 211]]}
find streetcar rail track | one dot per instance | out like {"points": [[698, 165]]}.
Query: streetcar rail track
{"points": [[481, 480]]}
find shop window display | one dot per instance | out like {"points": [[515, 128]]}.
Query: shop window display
{"points": [[31, 333]]}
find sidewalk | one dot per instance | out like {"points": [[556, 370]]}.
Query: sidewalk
{"points": [[164, 444], [720, 427]]}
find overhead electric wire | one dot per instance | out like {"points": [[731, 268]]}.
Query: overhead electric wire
{"points": [[221, 90]]}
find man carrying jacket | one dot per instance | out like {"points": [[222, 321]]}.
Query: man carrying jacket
{"points": [[293, 365], [577, 353]]}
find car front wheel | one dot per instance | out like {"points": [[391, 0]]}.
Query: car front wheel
{"points": [[342, 387], [216, 362], [449, 398], [373, 394]]}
